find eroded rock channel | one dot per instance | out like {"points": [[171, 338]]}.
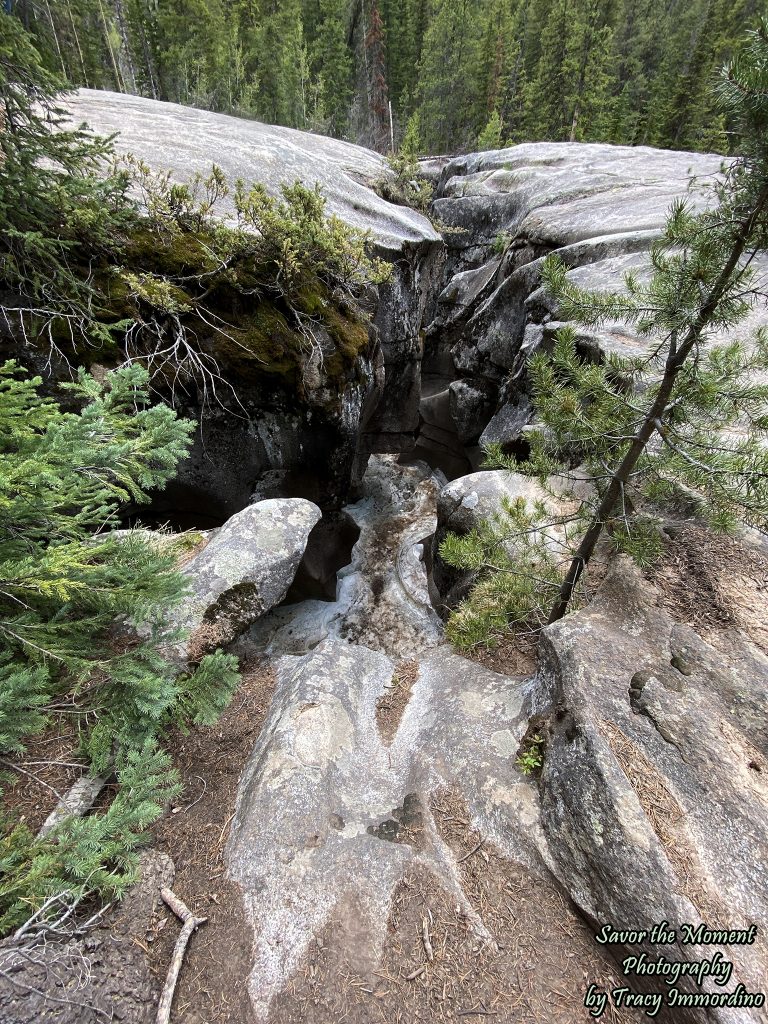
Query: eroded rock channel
{"points": [[411, 872]]}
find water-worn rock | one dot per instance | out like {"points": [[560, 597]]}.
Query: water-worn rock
{"points": [[328, 814], [653, 792], [244, 570], [187, 141], [382, 596]]}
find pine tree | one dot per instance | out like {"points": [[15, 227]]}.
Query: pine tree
{"points": [[641, 430], [491, 136], [73, 593], [281, 97], [52, 203], [376, 76], [331, 63], [447, 90]]}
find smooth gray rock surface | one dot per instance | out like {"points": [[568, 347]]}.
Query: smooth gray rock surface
{"points": [[599, 207], [653, 792], [244, 570], [323, 796], [557, 193], [382, 596], [185, 141]]}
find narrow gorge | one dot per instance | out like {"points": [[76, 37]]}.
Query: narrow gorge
{"points": [[391, 860]]}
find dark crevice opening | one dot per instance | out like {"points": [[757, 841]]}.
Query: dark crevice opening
{"points": [[329, 549]]}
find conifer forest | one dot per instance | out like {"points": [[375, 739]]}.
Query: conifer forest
{"points": [[467, 74], [383, 511]]}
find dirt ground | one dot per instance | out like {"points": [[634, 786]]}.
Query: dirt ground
{"points": [[715, 584], [533, 965], [194, 833]]}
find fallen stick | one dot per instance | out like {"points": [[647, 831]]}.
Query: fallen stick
{"points": [[190, 922], [426, 940], [468, 855]]}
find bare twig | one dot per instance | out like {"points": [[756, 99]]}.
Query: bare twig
{"points": [[471, 852], [191, 923], [426, 939]]}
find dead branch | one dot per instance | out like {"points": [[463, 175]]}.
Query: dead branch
{"points": [[191, 923], [75, 803]]}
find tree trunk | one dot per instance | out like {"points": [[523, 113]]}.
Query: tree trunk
{"points": [[654, 418]]}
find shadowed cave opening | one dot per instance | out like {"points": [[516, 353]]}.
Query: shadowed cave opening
{"points": [[328, 550]]}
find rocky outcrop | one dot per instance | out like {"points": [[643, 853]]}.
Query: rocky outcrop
{"points": [[598, 207], [653, 793], [245, 569], [382, 596], [315, 431], [329, 816]]}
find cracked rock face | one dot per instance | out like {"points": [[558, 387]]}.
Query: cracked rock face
{"points": [[245, 569], [598, 207], [380, 402], [653, 794], [323, 800], [382, 597]]}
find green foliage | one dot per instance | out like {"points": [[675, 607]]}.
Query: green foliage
{"points": [[501, 243], [87, 856], [82, 612], [408, 188], [55, 210], [81, 268], [517, 558], [629, 71], [532, 757], [684, 423], [491, 136]]}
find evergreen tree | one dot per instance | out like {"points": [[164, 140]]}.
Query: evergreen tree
{"points": [[282, 71], [331, 63], [447, 93], [641, 430], [52, 203], [65, 581], [491, 136], [380, 127]]}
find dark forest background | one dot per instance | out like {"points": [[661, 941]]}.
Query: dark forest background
{"points": [[455, 74]]}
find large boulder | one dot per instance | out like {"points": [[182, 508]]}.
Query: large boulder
{"points": [[653, 793], [244, 570], [462, 506]]}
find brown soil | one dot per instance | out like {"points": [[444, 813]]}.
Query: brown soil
{"points": [[391, 706], [40, 776], [212, 985], [714, 583], [514, 655], [533, 966]]}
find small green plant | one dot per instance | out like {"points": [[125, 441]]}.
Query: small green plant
{"points": [[407, 187], [532, 757], [501, 243], [491, 136]]}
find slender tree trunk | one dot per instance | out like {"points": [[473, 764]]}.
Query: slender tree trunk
{"points": [[56, 39], [77, 43], [654, 418]]}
